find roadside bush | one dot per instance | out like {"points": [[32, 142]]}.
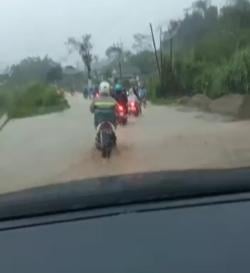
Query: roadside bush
{"points": [[230, 77], [203, 81], [3, 103], [153, 85], [237, 74], [217, 88], [34, 100], [169, 84], [188, 71]]}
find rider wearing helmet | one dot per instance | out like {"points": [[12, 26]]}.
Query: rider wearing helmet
{"points": [[143, 95], [132, 96], [104, 107], [120, 96], [133, 102], [142, 92]]}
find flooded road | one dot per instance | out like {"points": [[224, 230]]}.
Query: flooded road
{"points": [[60, 147]]}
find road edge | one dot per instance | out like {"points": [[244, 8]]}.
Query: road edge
{"points": [[3, 121]]}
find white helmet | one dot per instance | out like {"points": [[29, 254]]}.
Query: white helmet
{"points": [[104, 88]]}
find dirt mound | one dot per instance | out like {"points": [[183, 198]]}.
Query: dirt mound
{"points": [[200, 101], [234, 105], [184, 100], [227, 105], [244, 111]]}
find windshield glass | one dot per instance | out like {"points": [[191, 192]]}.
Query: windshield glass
{"points": [[101, 88]]}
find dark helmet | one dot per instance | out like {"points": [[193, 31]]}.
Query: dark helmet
{"points": [[118, 88]]}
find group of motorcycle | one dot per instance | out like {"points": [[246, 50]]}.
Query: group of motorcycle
{"points": [[133, 108], [106, 137]]}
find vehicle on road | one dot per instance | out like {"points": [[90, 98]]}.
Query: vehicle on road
{"points": [[134, 108], [121, 115], [134, 105], [120, 95], [105, 139], [103, 107], [143, 95], [97, 95]]}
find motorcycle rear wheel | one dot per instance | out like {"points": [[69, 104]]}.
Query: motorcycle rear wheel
{"points": [[106, 152]]}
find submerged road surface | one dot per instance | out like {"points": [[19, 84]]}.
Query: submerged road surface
{"points": [[60, 147]]}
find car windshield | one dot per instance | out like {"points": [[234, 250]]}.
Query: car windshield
{"points": [[103, 88]]}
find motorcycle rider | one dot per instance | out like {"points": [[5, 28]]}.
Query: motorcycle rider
{"points": [[133, 98], [104, 109], [120, 95], [136, 91], [143, 94]]}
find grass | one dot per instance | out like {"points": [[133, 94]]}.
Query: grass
{"points": [[36, 99]]}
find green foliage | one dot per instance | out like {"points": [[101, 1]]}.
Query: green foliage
{"points": [[153, 86], [35, 100], [30, 70], [237, 76], [84, 48], [142, 42], [212, 51], [115, 52], [144, 61], [20, 98], [169, 84], [55, 74], [3, 102]]}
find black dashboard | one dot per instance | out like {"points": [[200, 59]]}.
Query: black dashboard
{"points": [[183, 235]]}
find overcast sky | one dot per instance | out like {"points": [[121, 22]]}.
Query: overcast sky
{"points": [[40, 27]]}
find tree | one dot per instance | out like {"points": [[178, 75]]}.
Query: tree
{"points": [[142, 42], [55, 74], [201, 6], [144, 61], [84, 48], [173, 27], [115, 54], [30, 70]]}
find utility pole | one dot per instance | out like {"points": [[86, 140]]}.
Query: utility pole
{"points": [[120, 49], [161, 51], [156, 55], [120, 70]]}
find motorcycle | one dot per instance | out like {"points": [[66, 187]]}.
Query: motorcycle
{"points": [[122, 117], [97, 95], [105, 139], [134, 108]]}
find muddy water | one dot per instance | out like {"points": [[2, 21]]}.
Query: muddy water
{"points": [[59, 147]]}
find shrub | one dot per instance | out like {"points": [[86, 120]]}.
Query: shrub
{"points": [[36, 99], [237, 74]]}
